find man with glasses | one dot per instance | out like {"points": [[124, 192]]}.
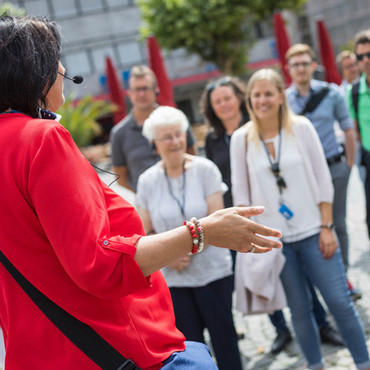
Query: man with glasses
{"points": [[358, 97], [348, 68], [132, 153], [347, 65], [330, 106]]}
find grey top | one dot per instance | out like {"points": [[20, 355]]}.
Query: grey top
{"points": [[332, 108], [202, 179]]}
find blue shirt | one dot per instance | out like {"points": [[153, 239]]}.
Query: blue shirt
{"points": [[332, 108]]}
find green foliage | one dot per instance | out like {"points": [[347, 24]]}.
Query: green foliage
{"points": [[7, 9], [80, 119], [219, 31], [349, 45], [265, 8]]}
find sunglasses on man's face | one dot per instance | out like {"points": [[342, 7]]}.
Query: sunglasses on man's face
{"points": [[362, 56]]}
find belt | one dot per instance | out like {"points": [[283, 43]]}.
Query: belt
{"points": [[335, 159]]}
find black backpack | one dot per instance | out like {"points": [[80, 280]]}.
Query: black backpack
{"points": [[355, 96]]}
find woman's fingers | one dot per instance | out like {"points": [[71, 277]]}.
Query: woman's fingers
{"points": [[259, 245], [231, 228], [265, 243], [257, 228]]}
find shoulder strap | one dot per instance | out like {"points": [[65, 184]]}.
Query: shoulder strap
{"points": [[315, 100], [355, 96], [79, 333]]}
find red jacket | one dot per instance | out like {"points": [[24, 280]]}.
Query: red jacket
{"points": [[74, 239]]}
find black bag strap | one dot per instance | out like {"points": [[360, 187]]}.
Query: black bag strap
{"points": [[79, 333], [355, 96], [315, 100]]}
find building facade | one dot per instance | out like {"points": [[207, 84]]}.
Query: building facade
{"points": [[94, 29]]}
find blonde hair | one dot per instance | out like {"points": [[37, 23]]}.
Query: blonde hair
{"points": [[299, 49], [141, 71], [345, 54], [286, 116]]}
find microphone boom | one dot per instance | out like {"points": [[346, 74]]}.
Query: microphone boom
{"points": [[75, 79]]}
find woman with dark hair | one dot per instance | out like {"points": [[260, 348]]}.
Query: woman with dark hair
{"points": [[224, 108], [76, 241]]}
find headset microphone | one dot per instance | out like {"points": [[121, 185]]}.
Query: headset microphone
{"points": [[75, 79]]}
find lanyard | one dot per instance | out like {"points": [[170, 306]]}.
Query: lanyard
{"points": [[275, 167], [180, 204]]}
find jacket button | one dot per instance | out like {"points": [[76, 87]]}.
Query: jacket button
{"points": [[105, 242]]}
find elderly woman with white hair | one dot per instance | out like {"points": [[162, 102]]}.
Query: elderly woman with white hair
{"points": [[170, 192]]}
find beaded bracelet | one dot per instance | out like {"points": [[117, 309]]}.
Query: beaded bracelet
{"points": [[194, 236], [200, 233]]}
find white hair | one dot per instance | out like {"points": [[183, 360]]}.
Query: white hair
{"points": [[164, 116]]}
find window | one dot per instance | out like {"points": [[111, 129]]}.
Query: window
{"points": [[129, 53], [90, 5], [77, 63], [64, 8], [99, 56], [113, 3], [37, 8]]}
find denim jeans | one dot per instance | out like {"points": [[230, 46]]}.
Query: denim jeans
{"points": [[196, 356], [366, 162], [340, 175], [328, 276]]}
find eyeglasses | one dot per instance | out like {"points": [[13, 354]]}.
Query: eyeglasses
{"points": [[169, 138], [302, 64], [350, 66], [223, 81], [362, 56], [143, 89]]}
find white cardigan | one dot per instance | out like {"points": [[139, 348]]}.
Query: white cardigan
{"points": [[310, 147], [257, 283]]}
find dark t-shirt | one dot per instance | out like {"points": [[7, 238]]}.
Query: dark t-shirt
{"points": [[217, 150]]}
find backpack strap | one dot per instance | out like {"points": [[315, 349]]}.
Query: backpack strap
{"points": [[355, 95], [314, 100]]}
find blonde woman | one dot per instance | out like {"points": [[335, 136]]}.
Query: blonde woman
{"points": [[277, 161]]}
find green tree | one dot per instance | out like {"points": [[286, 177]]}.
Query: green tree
{"points": [[219, 31], [7, 9], [80, 119]]}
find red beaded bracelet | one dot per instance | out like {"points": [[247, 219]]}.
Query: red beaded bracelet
{"points": [[194, 236], [200, 233]]}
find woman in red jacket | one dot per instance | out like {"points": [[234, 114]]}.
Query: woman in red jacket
{"points": [[77, 241]]}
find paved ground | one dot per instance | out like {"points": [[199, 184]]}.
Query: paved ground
{"points": [[259, 333]]}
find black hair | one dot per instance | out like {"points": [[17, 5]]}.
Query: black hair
{"points": [[206, 108], [30, 49]]}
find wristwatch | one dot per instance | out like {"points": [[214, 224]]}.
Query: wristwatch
{"points": [[329, 226]]}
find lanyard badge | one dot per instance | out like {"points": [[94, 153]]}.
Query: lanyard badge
{"points": [[280, 182]]}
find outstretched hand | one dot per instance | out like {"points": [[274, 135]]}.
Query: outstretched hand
{"points": [[231, 228]]}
